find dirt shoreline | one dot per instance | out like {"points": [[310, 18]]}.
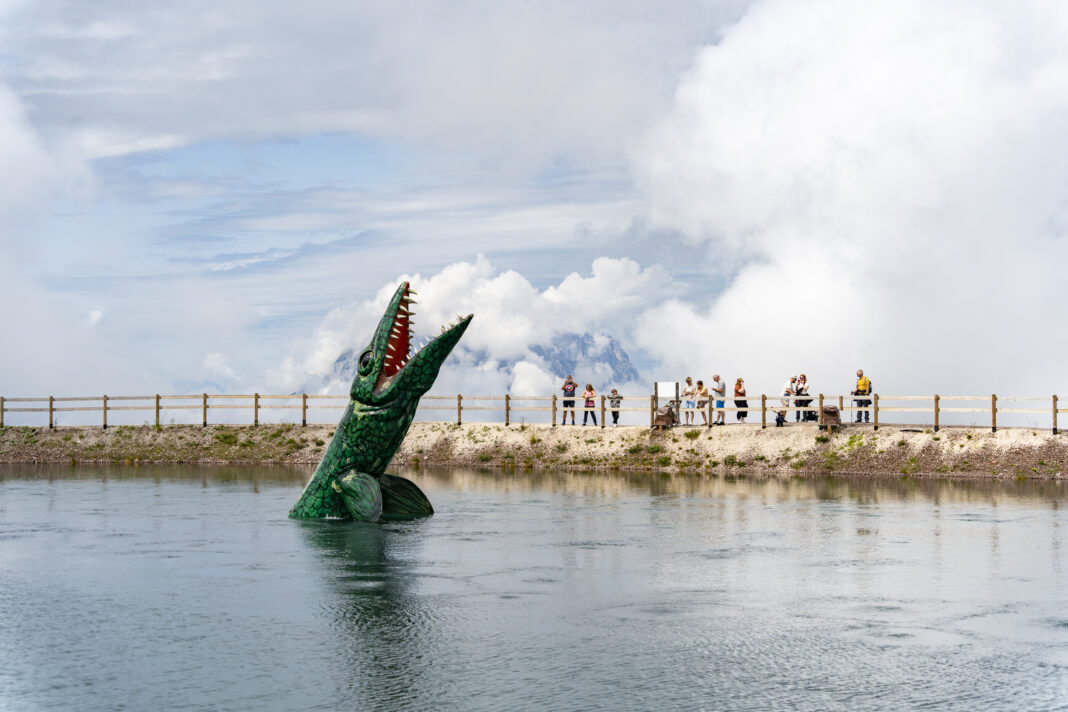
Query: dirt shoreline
{"points": [[795, 449]]}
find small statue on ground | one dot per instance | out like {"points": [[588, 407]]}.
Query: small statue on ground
{"points": [[351, 481]]}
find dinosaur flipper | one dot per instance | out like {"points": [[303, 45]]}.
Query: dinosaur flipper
{"points": [[402, 499], [362, 496]]}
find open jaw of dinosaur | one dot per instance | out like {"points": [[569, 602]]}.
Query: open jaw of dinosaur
{"points": [[399, 353]]}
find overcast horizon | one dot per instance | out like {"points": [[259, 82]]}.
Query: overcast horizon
{"points": [[221, 197]]}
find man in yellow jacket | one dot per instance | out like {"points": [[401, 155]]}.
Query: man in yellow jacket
{"points": [[863, 389]]}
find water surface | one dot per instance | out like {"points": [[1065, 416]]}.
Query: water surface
{"points": [[186, 588]]}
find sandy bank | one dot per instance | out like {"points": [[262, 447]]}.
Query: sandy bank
{"points": [[968, 452]]}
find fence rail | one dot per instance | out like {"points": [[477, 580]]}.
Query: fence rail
{"points": [[869, 406]]}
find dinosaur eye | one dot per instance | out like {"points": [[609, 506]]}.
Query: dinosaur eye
{"points": [[365, 361]]}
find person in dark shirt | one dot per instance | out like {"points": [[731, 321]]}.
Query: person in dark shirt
{"points": [[568, 388]]}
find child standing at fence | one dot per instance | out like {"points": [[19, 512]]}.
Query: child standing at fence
{"points": [[614, 400], [589, 394]]}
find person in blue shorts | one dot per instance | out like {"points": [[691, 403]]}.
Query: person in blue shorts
{"points": [[719, 391], [689, 400]]}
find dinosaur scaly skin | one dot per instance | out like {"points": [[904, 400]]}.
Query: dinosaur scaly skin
{"points": [[351, 482]]}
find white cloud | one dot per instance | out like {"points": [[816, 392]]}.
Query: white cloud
{"points": [[894, 178], [27, 170], [506, 79], [511, 316]]}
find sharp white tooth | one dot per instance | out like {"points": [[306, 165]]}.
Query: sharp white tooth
{"points": [[389, 347], [412, 301], [412, 291], [402, 308]]}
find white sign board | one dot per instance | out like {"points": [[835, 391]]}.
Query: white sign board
{"points": [[666, 389]]}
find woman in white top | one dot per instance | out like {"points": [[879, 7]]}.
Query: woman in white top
{"points": [[689, 402], [801, 389]]}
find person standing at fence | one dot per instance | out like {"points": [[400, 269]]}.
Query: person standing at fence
{"points": [[590, 395], [702, 401], [863, 389], [719, 392], [740, 401], [568, 388], [801, 389], [787, 392], [613, 401], [689, 392]]}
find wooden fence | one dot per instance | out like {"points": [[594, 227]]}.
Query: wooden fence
{"points": [[252, 404]]}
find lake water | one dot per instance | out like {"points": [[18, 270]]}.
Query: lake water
{"points": [[187, 588]]}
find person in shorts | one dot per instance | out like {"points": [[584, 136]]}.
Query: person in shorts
{"points": [[569, 389], [719, 390], [702, 400], [689, 393]]}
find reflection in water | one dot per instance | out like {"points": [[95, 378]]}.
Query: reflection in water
{"points": [[187, 587], [861, 489], [369, 610]]}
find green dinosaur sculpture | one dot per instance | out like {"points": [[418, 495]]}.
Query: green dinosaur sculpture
{"points": [[351, 482]]}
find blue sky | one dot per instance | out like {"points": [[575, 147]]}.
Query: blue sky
{"points": [[217, 196]]}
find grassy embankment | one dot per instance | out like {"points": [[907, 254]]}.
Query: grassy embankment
{"points": [[1020, 453]]}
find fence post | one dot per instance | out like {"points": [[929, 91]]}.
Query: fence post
{"points": [[507, 409], [936, 412], [157, 411], [2, 412], [993, 412], [51, 408], [105, 412], [709, 405], [554, 411], [875, 411], [602, 411], [204, 410], [763, 411], [652, 411], [1054, 413], [255, 408], [841, 406], [303, 410], [459, 409]]}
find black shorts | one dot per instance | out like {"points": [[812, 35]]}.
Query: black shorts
{"points": [[569, 403]]}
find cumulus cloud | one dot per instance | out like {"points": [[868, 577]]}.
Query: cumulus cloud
{"points": [[893, 179], [511, 317]]}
